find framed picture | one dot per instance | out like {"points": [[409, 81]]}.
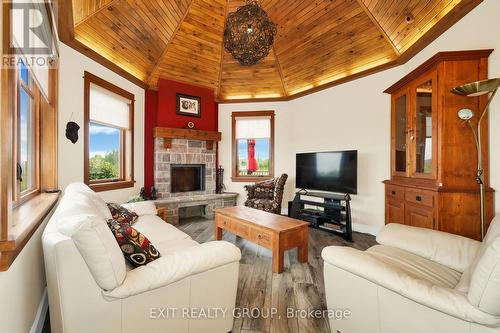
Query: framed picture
{"points": [[188, 105]]}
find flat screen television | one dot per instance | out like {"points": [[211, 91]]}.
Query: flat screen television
{"points": [[335, 171]]}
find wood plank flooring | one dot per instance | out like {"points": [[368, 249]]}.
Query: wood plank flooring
{"points": [[299, 287]]}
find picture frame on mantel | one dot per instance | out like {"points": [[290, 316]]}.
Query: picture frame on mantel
{"points": [[188, 105]]}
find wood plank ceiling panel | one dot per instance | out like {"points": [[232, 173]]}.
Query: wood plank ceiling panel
{"points": [[329, 41], [194, 53], [319, 43], [132, 33], [408, 20], [82, 9]]}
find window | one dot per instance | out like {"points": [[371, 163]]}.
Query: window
{"points": [[253, 145], [26, 143], [109, 114]]}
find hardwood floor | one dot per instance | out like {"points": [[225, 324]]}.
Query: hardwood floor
{"points": [[299, 287]]}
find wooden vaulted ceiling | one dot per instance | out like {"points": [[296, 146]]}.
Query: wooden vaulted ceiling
{"points": [[319, 43]]}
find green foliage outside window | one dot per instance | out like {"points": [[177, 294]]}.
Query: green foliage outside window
{"points": [[105, 167]]}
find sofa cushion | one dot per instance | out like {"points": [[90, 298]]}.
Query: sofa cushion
{"points": [[136, 247], [175, 245], [157, 230], [416, 266], [484, 291], [492, 233], [98, 248], [141, 207], [77, 204], [100, 207], [122, 214]]}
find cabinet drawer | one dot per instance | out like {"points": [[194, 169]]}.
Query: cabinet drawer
{"points": [[233, 226], [420, 197], [393, 191], [260, 237]]}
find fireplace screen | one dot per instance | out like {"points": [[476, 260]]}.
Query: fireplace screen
{"points": [[187, 177]]}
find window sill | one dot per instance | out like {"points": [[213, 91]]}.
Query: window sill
{"points": [[250, 179], [100, 187], [26, 219]]}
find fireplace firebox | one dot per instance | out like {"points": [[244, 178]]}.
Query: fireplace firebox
{"points": [[187, 177]]}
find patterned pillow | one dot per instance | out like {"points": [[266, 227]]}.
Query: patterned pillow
{"points": [[135, 246], [122, 214], [264, 191]]}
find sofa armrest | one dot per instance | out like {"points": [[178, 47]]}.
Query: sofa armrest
{"points": [[367, 266], [453, 251], [141, 207], [175, 266]]}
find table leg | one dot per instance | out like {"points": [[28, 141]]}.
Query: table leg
{"points": [[304, 247], [278, 258], [303, 253], [218, 233]]}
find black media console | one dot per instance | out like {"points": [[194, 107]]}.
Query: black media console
{"points": [[332, 214]]}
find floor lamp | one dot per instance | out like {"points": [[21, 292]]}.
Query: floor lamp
{"points": [[475, 89]]}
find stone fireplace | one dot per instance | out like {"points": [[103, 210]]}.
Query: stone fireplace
{"points": [[190, 162], [185, 172]]}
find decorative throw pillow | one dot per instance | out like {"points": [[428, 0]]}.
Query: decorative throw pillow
{"points": [[135, 246], [264, 191], [122, 214]]}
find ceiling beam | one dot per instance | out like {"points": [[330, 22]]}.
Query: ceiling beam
{"points": [[280, 72], [217, 90], [379, 27], [64, 15], [100, 9], [158, 62]]}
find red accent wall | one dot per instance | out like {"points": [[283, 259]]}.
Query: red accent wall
{"points": [[150, 111], [167, 116], [160, 110]]}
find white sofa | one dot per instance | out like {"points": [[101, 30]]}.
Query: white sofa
{"points": [[417, 280], [190, 288]]}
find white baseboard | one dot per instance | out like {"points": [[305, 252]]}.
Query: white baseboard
{"points": [[41, 314]]}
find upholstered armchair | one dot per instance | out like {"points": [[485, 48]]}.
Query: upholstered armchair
{"points": [[266, 195]]}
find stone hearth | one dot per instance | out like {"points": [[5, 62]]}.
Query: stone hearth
{"points": [[209, 202]]}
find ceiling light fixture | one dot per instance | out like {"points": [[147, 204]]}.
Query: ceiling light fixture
{"points": [[249, 34]]}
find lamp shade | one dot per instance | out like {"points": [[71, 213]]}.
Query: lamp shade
{"points": [[477, 88]]}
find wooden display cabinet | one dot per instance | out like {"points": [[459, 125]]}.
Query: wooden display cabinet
{"points": [[433, 154]]}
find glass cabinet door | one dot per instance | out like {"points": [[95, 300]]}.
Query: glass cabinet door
{"points": [[422, 129], [400, 144]]}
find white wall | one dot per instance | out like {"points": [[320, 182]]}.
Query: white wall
{"points": [[70, 168], [356, 115], [22, 286]]}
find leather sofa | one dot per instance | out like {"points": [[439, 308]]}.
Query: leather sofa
{"points": [[190, 288], [416, 280]]}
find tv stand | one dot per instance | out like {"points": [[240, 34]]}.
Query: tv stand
{"points": [[333, 214]]}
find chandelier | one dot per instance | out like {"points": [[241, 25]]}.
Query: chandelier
{"points": [[249, 34]]}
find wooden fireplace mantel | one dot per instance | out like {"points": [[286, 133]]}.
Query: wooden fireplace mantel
{"points": [[182, 133]]}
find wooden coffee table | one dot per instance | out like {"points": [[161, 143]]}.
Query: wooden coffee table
{"points": [[275, 232]]}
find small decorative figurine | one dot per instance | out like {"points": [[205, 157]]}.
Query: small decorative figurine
{"points": [[220, 180], [142, 194], [154, 194]]}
